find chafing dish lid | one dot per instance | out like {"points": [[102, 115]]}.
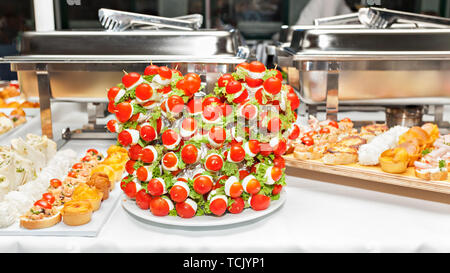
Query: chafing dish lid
{"points": [[371, 43], [129, 46]]}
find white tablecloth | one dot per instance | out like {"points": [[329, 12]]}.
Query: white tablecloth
{"points": [[322, 214]]}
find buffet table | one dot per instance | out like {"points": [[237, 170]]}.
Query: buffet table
{"points": [[323, 213]]}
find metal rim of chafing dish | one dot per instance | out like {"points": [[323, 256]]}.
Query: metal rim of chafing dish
{"points": [[332, 50], [42, 54]]}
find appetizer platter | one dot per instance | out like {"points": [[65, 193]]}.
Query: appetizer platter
{"points": [[199, 154], [70, 196], [416, 157]]}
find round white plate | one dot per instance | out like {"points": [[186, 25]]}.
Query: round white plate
{"points": [[201, 221]]}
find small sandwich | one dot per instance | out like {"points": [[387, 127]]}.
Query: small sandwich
{"points": [[340, 155], [432, 172], [41, 215]]}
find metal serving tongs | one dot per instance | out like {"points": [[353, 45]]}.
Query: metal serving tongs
{"points": [[385, 18], [116, 20]]}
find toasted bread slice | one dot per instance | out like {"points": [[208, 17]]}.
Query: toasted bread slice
{"points": [[340, 155], [374, 129], [434, 176], [41, 223], [352, 141]]}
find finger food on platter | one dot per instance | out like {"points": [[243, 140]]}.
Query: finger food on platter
{"points": [[92, 195], [101, 182], [368, 154], [435, 160], [394, 160], [42, 215], [19, 201], [23, 160], [176, 161], [396, 150], [77, 212], [71, 193]]}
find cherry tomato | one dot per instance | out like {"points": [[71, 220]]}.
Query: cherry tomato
{"points": [[252, 83], [178, 193], [189, 154], [260, 202], [43, 204], [124, 111], [236, 190], [143, 199], [226, 109], [203, 184], [112, 93], [274, 125], [253, 186], [92, 151], [266, 149], [243, 174], [346, 120], [224, 79], [280, 148], [130, 79], [151, 70], [324, 130], [195, 106], [112, 107], [272, 85], [276, 173], [308, 141], [233, 87], [243, 65], [169, 137], [175, 104], [277, 189], [72, 174], [130, 189], [237, 205], [144, 91], [148, 155], [256, 67], [155, 187], [333, 123], [214, 101], [218, 206], [129, 166], [159, 206], [111, 125], [135, 152], [165, 72], [243, 97], [214, 163], [217, 134], [184, 210], [212, 113], [147, 133], [55, 183], [295, 132], [77, 166], [170, 160], [294, 100], [279, 162], [192, 83], [49, 197], [237, 153]]}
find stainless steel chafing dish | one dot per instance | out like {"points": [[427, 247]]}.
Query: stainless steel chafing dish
{"points": [[341, 65], [81, 65]]}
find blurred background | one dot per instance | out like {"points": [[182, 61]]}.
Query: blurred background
{"points": [[258, 20]]}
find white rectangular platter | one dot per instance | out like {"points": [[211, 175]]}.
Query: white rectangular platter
{"points": [[99, 217]]}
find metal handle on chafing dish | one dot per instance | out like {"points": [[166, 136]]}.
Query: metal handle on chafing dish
{"points": [[120, 20]]}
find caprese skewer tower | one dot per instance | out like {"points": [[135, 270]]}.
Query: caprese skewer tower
{"points": [[196, 153]]}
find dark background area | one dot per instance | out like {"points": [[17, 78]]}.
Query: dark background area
{"points": [[257, 19]]}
